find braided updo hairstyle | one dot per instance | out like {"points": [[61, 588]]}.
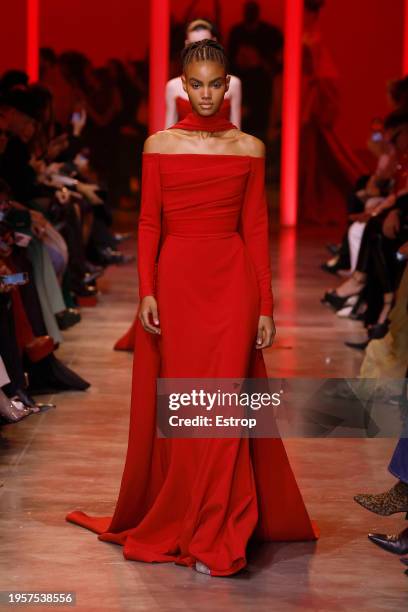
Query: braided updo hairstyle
{"points": [[205, 50]]}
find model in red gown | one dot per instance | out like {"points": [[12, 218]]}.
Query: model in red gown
{"points": [[203, 257], [127, 341]]}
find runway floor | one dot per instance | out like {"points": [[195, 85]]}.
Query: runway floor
{"points": [[72, 458]]}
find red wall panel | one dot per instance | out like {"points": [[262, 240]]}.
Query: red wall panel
{"points": [[365, 38], [13, 35], [99, 28]]}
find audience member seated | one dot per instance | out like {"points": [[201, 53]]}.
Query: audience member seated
{"points": [[56, 234], [373, 253]]}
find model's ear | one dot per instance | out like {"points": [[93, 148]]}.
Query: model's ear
{"points": [[184, 82], [227, 82]]}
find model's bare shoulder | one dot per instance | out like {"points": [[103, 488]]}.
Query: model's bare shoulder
{"points": [[158, 142], [250, 145], [152, 144]]}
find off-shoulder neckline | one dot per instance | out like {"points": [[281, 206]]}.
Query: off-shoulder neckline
{"points": [[205, 155]]}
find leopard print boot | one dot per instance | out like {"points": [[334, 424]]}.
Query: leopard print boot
{"points": [[385, 504]]}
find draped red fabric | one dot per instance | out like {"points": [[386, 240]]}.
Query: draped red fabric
{"points": [[213, 123], [184, 108], [127, 341], [188, 500]]}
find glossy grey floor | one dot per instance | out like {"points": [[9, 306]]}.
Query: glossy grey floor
{"points": [[72, 457]]}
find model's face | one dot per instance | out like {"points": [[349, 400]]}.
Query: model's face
{"points": [[205, 84]]}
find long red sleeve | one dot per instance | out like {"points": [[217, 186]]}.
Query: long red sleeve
{"points": [[255, 231], [149, 228]]}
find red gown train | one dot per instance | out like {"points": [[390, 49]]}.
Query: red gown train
{"points": [[184, 500]]}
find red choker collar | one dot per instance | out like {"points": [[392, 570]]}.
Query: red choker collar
{"points": [[213, 123]]}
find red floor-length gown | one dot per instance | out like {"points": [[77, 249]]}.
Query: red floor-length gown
{"points": [[188, 500]]}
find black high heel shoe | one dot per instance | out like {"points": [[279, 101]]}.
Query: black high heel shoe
{"points": [[396, 543], [359, 346], [378, 331], [332, 266], [67, 318], [336, 301]]}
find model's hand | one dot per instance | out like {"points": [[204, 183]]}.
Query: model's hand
{"points": [[148, 307], [266, 332]]}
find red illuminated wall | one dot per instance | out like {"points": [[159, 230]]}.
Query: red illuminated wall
{"points": [[13, 35], [364, 37], [231, 11], [100, 28], [365, 40]]}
